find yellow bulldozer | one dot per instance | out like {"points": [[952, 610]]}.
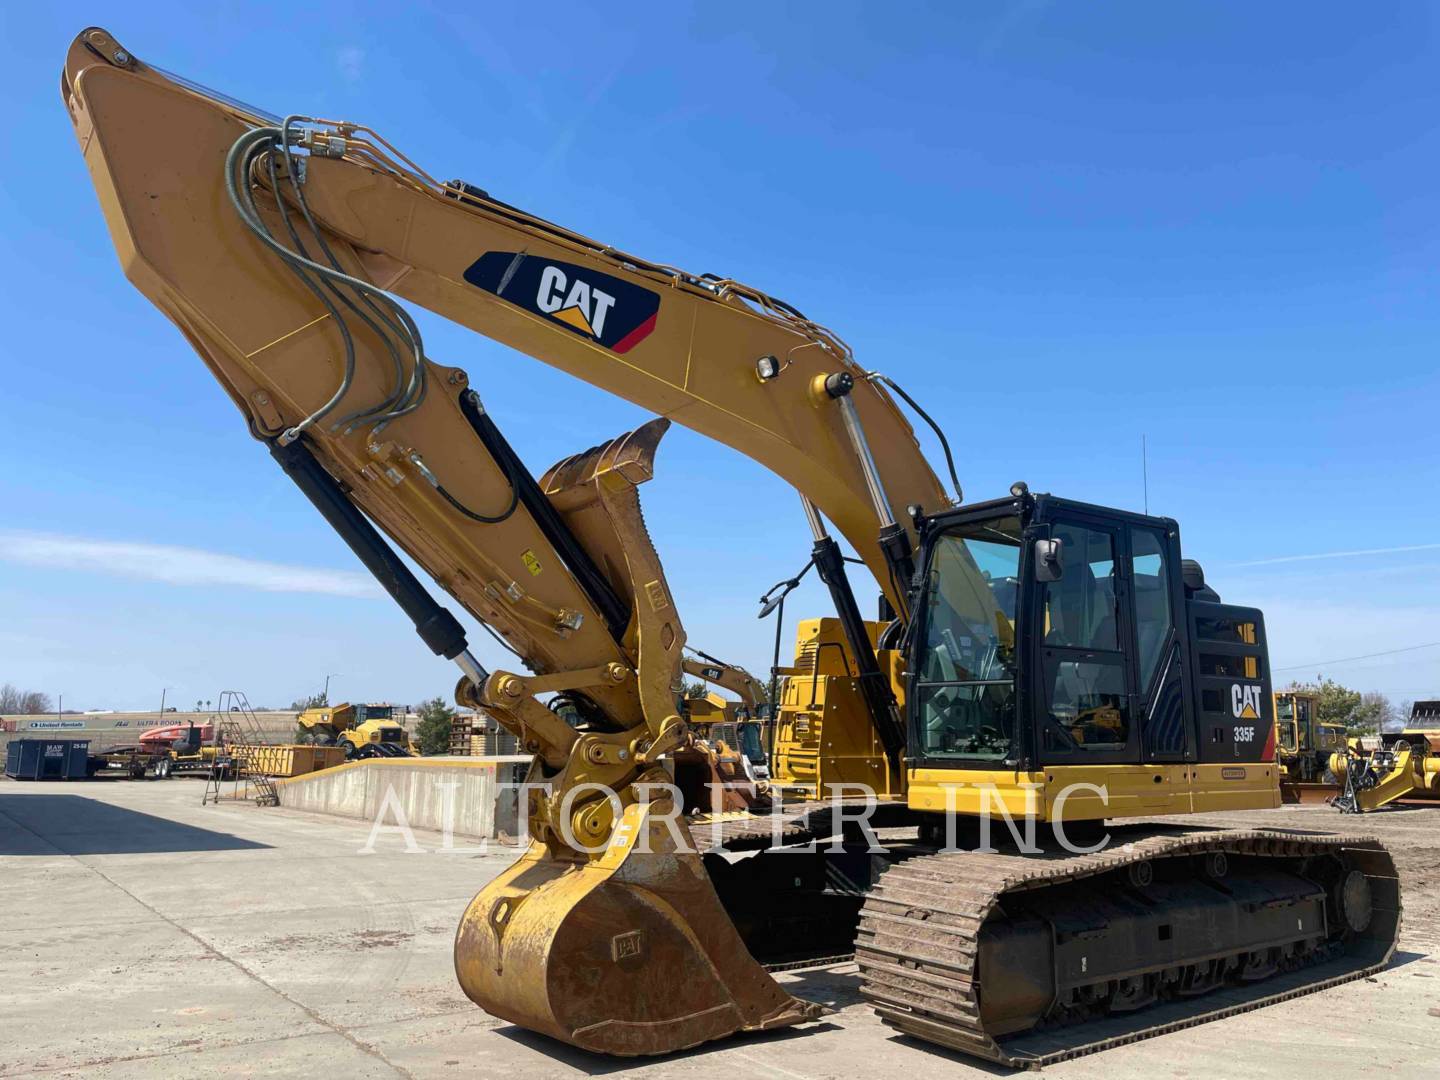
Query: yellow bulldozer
{"points": [[1038, 662], [363, 730]]}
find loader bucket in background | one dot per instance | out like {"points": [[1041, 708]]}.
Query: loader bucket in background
{"points": [[629, 954]]}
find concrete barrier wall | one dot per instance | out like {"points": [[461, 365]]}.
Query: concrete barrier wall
{"points": [[425, 791]]}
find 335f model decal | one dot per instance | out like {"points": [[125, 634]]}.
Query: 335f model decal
{"points": [[617, 314]]}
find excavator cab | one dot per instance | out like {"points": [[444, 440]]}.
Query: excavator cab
{"points": [[1052, 633]]}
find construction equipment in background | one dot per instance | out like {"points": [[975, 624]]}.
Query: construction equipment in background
{"points": [[165, 752], [1053, 656], [1404, 767], [1320, 763], [743, 726], [1371, 779], [1421, 736], [184, 737], [1305, 748], [361, 730]]}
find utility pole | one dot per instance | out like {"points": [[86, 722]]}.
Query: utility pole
{"points": [[163, 691], [334, 675]]}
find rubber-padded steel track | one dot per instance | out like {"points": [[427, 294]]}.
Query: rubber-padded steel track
{"points": [[918, 944]]}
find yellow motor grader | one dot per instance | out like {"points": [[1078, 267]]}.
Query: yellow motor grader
{"points": [[1043, 658]]}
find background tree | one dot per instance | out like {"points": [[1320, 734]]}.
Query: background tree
{"points": [[433, 730], [1337, 702], [33, 703], [314, 701], [28, 702], [1403, 708], [695, 689], [1372, 715], [1360, 714]]}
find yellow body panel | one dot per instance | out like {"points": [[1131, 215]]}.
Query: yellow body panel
{"points": [[1130, 790], [824, 736]]}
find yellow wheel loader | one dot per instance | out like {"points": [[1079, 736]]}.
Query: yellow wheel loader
{"points": [[1043, 663]]}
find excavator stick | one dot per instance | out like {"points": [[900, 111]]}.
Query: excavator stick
{"points": [[629, 954]]}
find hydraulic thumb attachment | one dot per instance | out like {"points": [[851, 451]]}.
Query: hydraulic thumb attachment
{"points": [[608, 933]]}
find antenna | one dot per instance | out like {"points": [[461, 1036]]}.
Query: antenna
{"points": [[1145, 472]]}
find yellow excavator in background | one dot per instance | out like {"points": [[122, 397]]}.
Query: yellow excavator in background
{"points": [[1051, 659], [742, 726]]}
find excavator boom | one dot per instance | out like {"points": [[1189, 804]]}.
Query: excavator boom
{"points": [[278, 247]]}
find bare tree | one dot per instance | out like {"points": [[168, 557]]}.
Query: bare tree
{"points": [[1372, 714], [28, 702], [34, 703], [1403, 709]]}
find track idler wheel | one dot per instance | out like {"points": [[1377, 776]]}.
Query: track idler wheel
{"points": [[1357, 902]]}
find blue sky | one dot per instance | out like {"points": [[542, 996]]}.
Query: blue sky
{"points": [[1061, 226]]}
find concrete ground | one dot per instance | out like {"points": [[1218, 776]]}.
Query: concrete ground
{"points": [[146, 935]]}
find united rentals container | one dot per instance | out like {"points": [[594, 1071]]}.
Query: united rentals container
{"points": [[48, 759]]}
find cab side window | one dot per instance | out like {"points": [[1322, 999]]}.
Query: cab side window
{"points": [[1088, 704], [1153, 620], [1080, 608]]}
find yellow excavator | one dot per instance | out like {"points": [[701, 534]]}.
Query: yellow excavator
{"points": [[742, 724], [1052, 661]]}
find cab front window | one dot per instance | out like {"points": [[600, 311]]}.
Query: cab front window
{"points": [[965, 684]]}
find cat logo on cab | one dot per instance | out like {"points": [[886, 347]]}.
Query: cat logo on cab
{"points": [[615, 313], [1245, 701]]}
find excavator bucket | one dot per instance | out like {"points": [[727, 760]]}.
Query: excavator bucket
{"points": [[629, 953]]}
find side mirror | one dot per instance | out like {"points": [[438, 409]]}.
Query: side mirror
{"points": [[1049, 562]]}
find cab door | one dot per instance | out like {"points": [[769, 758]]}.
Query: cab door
{"points": [[1157, 600], [1084, 705]]}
